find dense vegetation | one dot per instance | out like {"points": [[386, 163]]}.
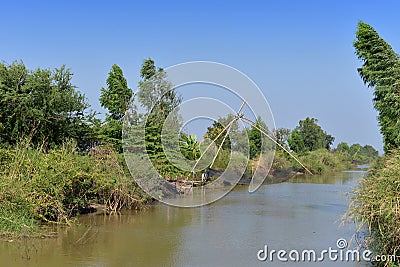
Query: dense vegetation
{"points": [[156, 95], [115, 98], [376, 202], [309, 136], [357, 153], [313, 145], [53, 185], [381, 71], [308, 141], [43, 104], [58, 160], [376, 205]]}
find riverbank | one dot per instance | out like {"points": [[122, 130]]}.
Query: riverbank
{"points": [[376, 206], [51, 187], [284, 167], [39, 187], [297, 214]]}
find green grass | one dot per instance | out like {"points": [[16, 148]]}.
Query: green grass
{"points": [[323, 161], [318, 161], [376, 204], [53, 186]]}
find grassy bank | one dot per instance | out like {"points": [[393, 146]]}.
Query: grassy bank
{"points": [[376, 204], [318, 161], [284, 166], [53, 186], [323, 161]]}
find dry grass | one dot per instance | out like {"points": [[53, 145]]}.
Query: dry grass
{"points": [[376, 205], [53, 186]]}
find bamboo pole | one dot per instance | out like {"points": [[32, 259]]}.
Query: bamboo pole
{"points": [[252, 123], [215, 139], [228, 131], [223, 140], [208, 147]]}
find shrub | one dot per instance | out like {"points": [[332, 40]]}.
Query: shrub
{"points": [[52, 186], [322, 160], [376, 204]]}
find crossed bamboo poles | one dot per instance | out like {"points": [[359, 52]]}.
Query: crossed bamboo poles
{"points": [[227, 128]]}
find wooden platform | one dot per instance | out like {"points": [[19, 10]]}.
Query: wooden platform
{"points": [[185, 186]]}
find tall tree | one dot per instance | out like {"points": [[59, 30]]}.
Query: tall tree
{"points": [[157, 95], [156, 92], [148, 69], [115, 98], [41, 103], [381, 71], [217, 127], [256, 138], [309, 136], [343, 147], [282, 135]]}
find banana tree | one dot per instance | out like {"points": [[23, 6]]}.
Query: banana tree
{"points": [[189, 146]]}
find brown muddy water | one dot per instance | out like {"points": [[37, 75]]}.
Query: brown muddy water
{"points": [[303, 213]]}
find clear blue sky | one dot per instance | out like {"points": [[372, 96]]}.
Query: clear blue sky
{"points": [[298, 52]]}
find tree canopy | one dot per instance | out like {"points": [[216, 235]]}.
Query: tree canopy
{"points": [[189, 146], [381, 71], [357, 152], [157, 95], [309, 136], [115, 98], [256, 138], [217, 127], [42, 104]]}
